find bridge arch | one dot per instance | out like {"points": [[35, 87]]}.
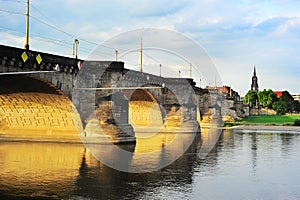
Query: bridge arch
{"points": [[31, 108], [145, 113]]}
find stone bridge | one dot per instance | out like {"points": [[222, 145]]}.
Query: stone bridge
{"points": [[107, 99]]}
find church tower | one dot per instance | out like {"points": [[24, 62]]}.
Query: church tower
{"points": [[254, 85]]}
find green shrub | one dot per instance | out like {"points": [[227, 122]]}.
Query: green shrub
{"points": [[297, 122]]}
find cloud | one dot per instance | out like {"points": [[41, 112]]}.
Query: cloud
{"points": [[162, 8], [235, 34], [10, 39], [272, 24]]}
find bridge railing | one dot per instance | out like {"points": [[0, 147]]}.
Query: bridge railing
{"points": [[14, 58]]}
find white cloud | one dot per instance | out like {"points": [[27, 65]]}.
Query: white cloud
{"points": [[236, 34], [7, 38]]}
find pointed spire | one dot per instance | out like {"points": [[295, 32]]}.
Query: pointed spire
{"points": [[254, 85]]}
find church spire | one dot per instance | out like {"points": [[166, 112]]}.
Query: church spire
{"points": [[254, 85]]}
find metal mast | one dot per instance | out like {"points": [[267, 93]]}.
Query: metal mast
{"points": [[26, 47]]}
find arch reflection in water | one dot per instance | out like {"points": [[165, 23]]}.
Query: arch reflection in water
{"points": [[251, 163], [149, 154], [69, 171], [44, 170], [210, 137], [108, 183]]}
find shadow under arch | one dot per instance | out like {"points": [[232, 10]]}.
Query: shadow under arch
{"points": [[10, 84]]}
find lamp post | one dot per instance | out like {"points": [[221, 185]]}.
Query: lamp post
{"points": [[76, 45], [160, 70], [26, 47], [116, 52]]}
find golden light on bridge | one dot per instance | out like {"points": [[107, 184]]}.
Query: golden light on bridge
{"points": [[31, 114], [153, 132], [39, 165], [144, 111]]}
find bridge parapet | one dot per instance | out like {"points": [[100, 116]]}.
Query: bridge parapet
{"points": [[64, 69], [16, 60]]}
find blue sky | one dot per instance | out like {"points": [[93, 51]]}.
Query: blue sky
{"points": [[235, 34]]}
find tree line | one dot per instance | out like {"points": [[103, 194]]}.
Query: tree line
{"points": [[268, 99]]}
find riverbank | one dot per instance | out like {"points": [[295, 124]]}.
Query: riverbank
{"points": [[277, 120], [266, 128]]}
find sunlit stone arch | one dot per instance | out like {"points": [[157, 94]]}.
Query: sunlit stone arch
{"points": [[144, 111], [34, 109]]}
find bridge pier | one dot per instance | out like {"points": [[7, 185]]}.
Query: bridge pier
{"points": [[104, 112], [181, 104], [103, 93]]}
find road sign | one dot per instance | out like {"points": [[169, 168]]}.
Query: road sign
{"points": [[39, 58], [24, 56]]}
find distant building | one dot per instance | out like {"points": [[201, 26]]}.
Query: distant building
{"points": [[296, 97], [278, 93], [254, 87], [227, 91], [254, 84]]}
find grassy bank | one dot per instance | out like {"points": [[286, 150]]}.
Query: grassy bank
{"points": [[287, 120]]}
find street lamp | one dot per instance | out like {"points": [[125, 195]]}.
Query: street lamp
{"points": [[160, 70], [76, 45], [26, 47]]}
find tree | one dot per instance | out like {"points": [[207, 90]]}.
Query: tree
{"points": [[281, 107], [287, 97], [266, 98], [296, 106], [251, 98]]}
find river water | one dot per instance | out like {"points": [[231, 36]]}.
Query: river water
{"points": [[241, 166]]}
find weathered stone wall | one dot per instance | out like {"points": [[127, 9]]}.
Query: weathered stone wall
{"points": [[233, 110], [64, 69], [169, 93], [241, 109], [102, 109], [214, 106], [210, 105], [261, 111], [176, 93], [33, 109]]}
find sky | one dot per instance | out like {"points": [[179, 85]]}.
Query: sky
{"points": [[235, 35]]}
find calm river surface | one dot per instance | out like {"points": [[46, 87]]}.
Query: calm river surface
{"points": [[241, 166]]}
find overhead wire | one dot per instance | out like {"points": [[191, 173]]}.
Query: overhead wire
{"points": [[45, 39], [47, 18], [53, 26], [16, 1], [47, 24], [64, 43], [11, 12]]}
